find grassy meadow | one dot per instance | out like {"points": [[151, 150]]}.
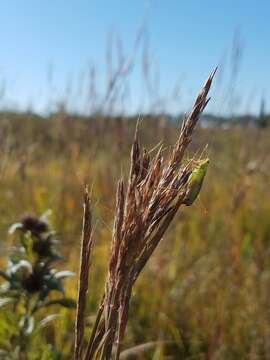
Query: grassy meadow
{"points": [[205, 293]]}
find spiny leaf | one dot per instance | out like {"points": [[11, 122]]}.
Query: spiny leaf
{"points": [[65, 302], [44, 322], [14, 227], [64, 274], [5, 301]]}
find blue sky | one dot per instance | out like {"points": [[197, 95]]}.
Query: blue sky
{"points": [[62, 39]]}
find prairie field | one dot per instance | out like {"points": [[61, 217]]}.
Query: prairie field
{"points": [[205, 292], [134, 180]]}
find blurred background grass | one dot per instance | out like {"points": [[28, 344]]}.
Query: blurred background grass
{"points": [[207, 288], [205, 293]]}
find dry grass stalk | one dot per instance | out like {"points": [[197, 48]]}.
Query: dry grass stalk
{"points": [[86, 247], [156, 190]]}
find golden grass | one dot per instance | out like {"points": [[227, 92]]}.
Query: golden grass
{"points": [[205, 293]]}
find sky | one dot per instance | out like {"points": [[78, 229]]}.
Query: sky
{"points": [[48, 49]]}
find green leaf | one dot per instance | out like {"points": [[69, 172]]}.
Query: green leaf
{"points": [[45, 216], [64, 274], [27, 324], [53, 258], [48, 319], [51, 354], [4, 275], [27, 243], [21, 265], [6, 301], [14, 227], [65, 302], [54, 284]]}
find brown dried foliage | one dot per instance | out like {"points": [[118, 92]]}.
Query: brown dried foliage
{"points": [[86, 247], [155, 191]]}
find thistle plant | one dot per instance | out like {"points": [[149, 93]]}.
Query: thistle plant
{"points": [[156, 190], [29, 281]]}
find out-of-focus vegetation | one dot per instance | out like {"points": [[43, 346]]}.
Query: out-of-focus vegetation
{"points": [[31, 287], [205, 294]]}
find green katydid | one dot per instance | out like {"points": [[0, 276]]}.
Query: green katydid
{"points": [[195, 181]]}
